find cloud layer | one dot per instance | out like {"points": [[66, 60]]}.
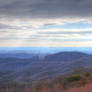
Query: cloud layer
{"points": [[45, 23], [46, 8]]}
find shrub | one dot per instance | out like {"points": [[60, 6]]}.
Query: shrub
{"points": [[74, 78], [87, 74]]}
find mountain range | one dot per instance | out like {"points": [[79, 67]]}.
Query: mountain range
{"points": [[13, 67]]}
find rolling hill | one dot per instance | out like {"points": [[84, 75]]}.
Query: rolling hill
{"points": [[65, 56], [32, 69]]}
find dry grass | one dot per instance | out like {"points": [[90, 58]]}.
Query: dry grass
{"points": [[58, 88], [56, 85], [86, 88]]}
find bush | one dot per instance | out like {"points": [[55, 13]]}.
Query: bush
{"points": [[87, 74], [74, 78]]}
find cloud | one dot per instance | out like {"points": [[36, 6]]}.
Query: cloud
{"points": [[46, 8], [37, 13], [45, 36], [30, 22], [47, 44]]}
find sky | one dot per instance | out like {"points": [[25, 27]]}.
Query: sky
{"points": [[45, 50], [45, 23]]}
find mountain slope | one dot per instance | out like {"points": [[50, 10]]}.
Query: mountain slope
{"points": [[34, 69]]}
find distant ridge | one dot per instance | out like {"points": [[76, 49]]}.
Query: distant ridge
{"points": [[35, 68], [65, 56]]}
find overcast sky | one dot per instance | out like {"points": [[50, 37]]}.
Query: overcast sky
{"points": [[46, 23]]}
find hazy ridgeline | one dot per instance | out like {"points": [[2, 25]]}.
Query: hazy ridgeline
{"points": [[44, 73]]}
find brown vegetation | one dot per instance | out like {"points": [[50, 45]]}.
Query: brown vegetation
{"points": [[73, 83]]}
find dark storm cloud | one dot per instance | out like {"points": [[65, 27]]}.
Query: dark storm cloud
{"points": [[46, 8]]}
